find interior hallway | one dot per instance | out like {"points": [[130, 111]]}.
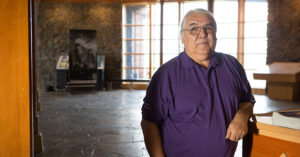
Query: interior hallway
{"points": [[104, 124]]}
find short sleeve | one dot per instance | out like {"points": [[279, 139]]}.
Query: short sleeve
{"points": [[157, 99], [246, 91]]}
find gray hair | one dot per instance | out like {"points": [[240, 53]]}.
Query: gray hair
{"points": [[198, 11]]}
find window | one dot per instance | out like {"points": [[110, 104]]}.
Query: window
{"points": [[155, 37], [142, 34], [255, 39], [170, 31], [136, 41], [226, 16], [189, 5]]}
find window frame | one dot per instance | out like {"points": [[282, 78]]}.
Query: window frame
{"points": [[210, 6], [126, 39]]}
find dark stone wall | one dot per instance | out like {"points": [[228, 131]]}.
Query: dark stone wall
{"points": [[283, 31], [54, 20]]}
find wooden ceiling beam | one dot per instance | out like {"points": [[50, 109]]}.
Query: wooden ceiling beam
{"points": [[100, 1], [83, 1], [116, 1]]}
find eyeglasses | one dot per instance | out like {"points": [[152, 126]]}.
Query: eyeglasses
{"points": [[196, 30]]}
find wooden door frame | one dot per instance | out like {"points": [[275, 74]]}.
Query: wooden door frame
{"points": [[32, 72]]}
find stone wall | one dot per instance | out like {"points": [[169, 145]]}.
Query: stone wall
{"points": [[283, 31], [54, 20]]}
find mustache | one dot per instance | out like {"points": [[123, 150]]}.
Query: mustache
{"points": [[199, 42]]}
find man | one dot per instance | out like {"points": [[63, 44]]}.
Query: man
{"points": [[199, 103]]}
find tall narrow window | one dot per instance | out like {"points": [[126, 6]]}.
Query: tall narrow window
{"points": [[136, 41], [190, 5], [226, 16], [255, 42], [155, 37], [170, 31]]}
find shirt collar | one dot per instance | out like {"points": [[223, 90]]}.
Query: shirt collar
{"points": [[188, 62], [215, 61]]}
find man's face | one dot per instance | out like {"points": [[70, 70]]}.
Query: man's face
{"points": [[202, 41]]}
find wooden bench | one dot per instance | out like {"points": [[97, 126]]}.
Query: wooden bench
{"points": [[131, 81], [283, 80]]}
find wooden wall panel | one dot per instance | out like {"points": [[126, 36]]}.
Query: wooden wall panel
{"points": [[14, 79], [264, 146]]}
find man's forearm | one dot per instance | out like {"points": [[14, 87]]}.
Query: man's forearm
{"points": [[245, 110], [152, 138], [238, 127]]}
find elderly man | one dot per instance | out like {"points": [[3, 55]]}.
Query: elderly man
{"points": [[199, 103]]}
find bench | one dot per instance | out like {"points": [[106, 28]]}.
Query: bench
{"points": [[131, 81]]}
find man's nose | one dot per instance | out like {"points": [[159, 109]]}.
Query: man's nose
{"points": [[201, 33]]}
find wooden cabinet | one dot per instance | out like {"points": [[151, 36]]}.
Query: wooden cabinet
{"points": [[265, 146], [274, 141]]}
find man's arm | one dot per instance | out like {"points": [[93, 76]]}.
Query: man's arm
{"points": [[238, 127], [152, 138]]}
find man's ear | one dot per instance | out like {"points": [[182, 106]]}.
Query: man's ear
{"points": [[182, 37]]}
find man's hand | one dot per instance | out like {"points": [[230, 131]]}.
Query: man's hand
{"points": [[238, 127]]}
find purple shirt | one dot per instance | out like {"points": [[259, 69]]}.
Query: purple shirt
{"points": [[193, 106]]}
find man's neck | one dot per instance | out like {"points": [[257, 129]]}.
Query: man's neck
{"points": [[202, 60], [203, 63]]}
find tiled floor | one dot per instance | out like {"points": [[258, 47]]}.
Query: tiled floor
{"points": [[101, 124], [92, 124]]}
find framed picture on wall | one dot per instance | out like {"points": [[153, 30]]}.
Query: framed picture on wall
{"points": [[83, 61]]}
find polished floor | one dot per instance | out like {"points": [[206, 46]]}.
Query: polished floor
{"points": [[104, 124]]}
